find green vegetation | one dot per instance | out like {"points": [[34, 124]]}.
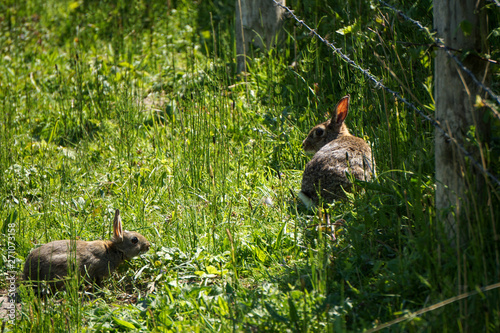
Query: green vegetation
{"points": [[135, 105]]}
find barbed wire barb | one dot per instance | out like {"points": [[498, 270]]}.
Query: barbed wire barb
{"points": [[378, 83]]}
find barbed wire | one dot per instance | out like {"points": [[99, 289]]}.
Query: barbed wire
{"points": [[446, 49], [379, 84]]}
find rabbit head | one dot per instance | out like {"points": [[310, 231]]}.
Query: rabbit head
{"points": [[129, 243], [325, 132]]}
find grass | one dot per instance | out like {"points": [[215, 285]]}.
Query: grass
{"points": [[107, 104]]}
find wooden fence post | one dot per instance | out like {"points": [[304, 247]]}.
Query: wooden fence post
{"points": [[257, 23], [461, 25]]}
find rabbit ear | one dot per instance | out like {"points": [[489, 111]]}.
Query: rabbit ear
{"points": [[341, 110], [117, 226]]}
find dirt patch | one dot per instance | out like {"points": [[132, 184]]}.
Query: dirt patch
{"points": [[155, 101], [10, 308]]}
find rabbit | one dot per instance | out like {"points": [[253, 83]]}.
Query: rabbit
{"points": [[94, 260], [336, 152]]}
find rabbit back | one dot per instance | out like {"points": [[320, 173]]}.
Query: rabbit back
{"points": [[46, 262], [325, 173]]}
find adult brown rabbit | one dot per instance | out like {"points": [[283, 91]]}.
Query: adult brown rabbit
{"points": [[336, 152], [94, 260]]}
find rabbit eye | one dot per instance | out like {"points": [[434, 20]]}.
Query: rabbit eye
{"points": [[319, 132], [134, 240]]}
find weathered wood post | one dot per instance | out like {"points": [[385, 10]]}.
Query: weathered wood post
{"points": [[461, 25], [257, 23]]}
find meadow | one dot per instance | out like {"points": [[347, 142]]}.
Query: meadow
{"points": [[137, 106]]}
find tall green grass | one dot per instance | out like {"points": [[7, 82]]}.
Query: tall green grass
{"points": [[107, 104]]}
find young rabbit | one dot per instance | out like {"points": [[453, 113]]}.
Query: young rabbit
{"points": [[336, 152], [94, 260]]}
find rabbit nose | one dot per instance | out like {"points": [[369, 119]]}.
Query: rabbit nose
{"points": [[146, 246]]}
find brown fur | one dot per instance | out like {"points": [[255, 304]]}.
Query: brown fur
{"points": [[335, 152], [94, 260]]}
